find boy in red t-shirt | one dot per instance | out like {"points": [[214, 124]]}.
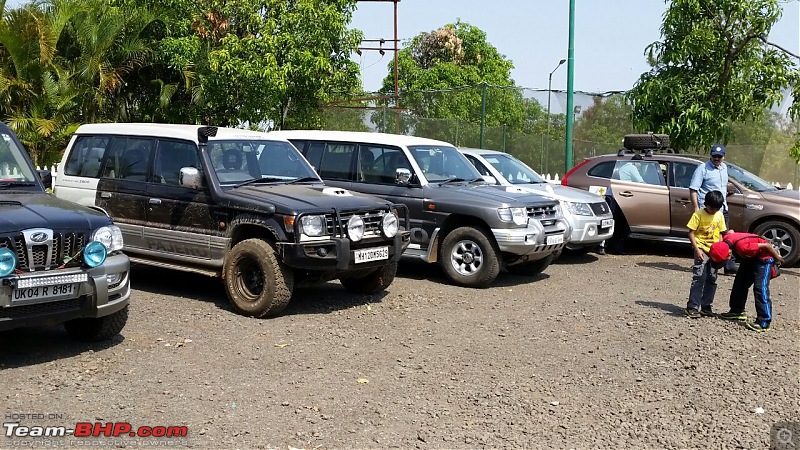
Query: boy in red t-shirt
{"points": [[757, 256]]}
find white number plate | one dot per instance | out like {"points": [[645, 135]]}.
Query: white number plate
{"points": [[559, 239], [371, 254], [44, 293], [606, 223]]}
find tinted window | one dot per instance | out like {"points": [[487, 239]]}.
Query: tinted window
{"points": [[171, 156], [440, 163], [602, 170], [13, 164], [638, 171], [336, 161], [87, 156], [379, 164], [682, 174]]}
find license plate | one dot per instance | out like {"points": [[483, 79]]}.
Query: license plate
{"points": [[606, 223], [559, 239], [39, 294], [371, 254]]}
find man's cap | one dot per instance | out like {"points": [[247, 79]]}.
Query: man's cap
{"points": [[719, 252], [717, 149]]}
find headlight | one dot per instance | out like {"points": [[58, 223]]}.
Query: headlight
{"points": [[517, 215], [579, 209], [110, 236], [389, 225], [8, 261], [94, 253], [313, 225], [355, 228]]}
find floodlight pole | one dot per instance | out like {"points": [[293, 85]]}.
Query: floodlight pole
{"points": [[570, 86]]}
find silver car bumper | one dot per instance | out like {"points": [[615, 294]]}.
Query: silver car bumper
{"points": [[588, 230], [534, 241]]}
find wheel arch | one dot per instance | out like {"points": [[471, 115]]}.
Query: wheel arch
{"points": [[774, 218]]}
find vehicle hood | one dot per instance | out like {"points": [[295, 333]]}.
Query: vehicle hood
{"points": [[555, 191], [293, 198], [482, 194], [40, 210], [784, 197]]}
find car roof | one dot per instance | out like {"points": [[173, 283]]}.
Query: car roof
{"points": [[358, 136], [645, 157], [165, 130]]}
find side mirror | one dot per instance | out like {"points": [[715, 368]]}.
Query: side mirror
{"points": [[731, 188], [191, 178], [402, 176], [489, 179], [46, 177]]}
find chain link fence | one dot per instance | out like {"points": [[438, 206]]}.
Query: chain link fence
{"points": [[514, 120]]}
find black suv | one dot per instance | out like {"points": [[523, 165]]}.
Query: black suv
{"points": [[232, 203], [59, 262], [457, 219]]}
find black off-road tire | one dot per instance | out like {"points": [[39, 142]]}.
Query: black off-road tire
{"points": [[784, 234], [474, 241], [532, 268], [97, 328], [373, 283], [645, 141], [257, 284]]}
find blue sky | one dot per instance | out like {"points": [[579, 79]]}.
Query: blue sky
{"points": [[610, 36]]}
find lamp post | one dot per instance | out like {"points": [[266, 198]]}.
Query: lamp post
{"points": [[549, 90]]}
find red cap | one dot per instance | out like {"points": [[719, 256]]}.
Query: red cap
{"points": [[719, 252]]}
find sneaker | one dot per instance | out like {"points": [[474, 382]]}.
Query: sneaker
{"points": [[692, 313], [755, 326], [707, 313], [733, 316]]}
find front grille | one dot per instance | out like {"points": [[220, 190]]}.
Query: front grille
{"points": [[372, 222], [600, 209], [18, 312], [543, 212], [62, 245]]}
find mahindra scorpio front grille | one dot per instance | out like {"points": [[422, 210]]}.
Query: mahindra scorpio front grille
{"points": [[46, 254]]}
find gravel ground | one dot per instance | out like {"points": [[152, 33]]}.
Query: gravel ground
{"points": [[594, 353]]}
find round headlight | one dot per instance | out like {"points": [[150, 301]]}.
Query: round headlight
{"points": [[312, 225], [389, 225], [94, 253], [8, 261], [355, 228], [110, 236]]}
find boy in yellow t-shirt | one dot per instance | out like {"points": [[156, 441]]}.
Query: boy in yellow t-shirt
{"points": [[705, 228]]}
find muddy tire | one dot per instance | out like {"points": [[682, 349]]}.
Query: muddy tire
{"points": [[257, 284], [532, 268], [645, 141], [97, 328], [373, 283], [784, 237], [469, 257]]}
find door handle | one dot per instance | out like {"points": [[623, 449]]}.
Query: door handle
{"points": [[626, 194], [154, 201], [105, 195], [683, 201]]}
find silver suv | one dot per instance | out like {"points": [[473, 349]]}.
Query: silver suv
{"points": [[588, 215]]}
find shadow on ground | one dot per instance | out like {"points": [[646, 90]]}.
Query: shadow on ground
{"points": [[38, 345], [671, 308], [666, 266]]}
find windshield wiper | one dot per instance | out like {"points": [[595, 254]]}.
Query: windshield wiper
{"points": [[475, 180], [259, 180], [452, 180], [302, 180], [16, 183]]}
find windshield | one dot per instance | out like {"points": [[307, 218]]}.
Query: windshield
{"points": [[441, 163], [237, 161], [512, 169], [13, 162], [749, 180]]}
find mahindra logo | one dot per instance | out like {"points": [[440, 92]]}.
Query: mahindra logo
{"points": [[39, 237]]}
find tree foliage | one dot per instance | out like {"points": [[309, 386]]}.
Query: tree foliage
{"points": [[447, 74], [713, 67]]}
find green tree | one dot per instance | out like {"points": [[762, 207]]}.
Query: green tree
{"points": [[256, 61], [446, 73], [601, 127], [713, 67]]}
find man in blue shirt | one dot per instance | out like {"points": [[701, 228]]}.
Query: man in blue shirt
{"points": [[712, 176]]}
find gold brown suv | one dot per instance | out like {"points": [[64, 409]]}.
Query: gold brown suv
{"points": [[659, 207]]}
